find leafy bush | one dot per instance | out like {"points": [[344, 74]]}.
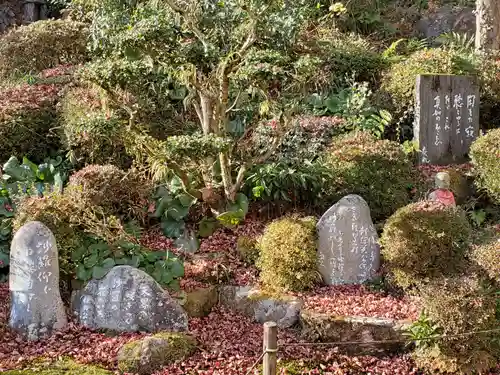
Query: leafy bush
{"points": [[485, 154], [55, 212], [290, 181], [53, 42], [425, 240], [487, 256], [120, 193], [247, 249], [95, 258], [27, 115], [400, 80], [89, 130], [288, 260], [457, 306], [377, 170]]}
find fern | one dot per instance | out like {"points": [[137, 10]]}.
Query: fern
{"points": [[457, 41]]}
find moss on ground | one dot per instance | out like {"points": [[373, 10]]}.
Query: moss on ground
{"points": [[61, 367]]}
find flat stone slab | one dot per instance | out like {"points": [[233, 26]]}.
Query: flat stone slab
{"points": [[318, 327]]}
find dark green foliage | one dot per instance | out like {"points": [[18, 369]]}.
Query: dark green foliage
{"points": [[89, 130], [95, 258], [54, 42], [425, 240], [485, 154], [377, 170], [288, 260]]}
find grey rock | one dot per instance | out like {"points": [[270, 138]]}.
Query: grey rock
{"points": [[127, 300], [348, 250], [36, 305], [447, 19], [252, 303]]}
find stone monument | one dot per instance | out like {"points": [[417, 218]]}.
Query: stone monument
{"points": [[348, 250], [127, 300], [36, 307]]}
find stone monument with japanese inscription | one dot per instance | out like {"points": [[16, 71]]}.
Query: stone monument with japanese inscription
{"points": [[36, 305], [446, 117], [348, 250], [127, 300]]}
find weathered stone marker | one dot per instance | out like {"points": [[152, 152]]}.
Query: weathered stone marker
{"points": [[36, 307], [128, 299], [348, 250], [446, 117]]}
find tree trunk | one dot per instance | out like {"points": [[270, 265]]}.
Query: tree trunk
{"points": [[487, 25]]}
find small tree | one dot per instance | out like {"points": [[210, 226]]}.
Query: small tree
{"points": [[487, 25], [240, 62]]}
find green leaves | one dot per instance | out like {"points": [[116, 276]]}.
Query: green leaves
{"points": [[236, 211]]}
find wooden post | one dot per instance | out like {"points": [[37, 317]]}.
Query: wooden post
{"points": [[270, 348]]}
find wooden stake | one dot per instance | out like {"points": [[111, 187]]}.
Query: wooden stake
{"points": [[270, 348]]}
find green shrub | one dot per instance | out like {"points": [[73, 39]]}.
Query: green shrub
{"points": [[118, 193], [399, 82], [457, 306], [487, 256], [425, 240], [377, 170], [485, 155], [288, 260], [60, 367], [89, 130], [42, 45], [160, 350], [27, 115], [55, 212], [247, 249]]}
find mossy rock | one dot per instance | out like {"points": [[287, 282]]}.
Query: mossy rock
{"points": [[200, 302], [147, 355], [61, 367]]}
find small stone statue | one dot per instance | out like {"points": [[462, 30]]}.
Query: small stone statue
{"points": [[442, 193]]}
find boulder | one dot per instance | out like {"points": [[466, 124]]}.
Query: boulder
{"points": [[283, 310], [128, 299], [446, 19], [150, 354]]}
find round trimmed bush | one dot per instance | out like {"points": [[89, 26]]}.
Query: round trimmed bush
{"points": [[27, 115], [55, 212], [399, 81], [485, 155], [42, 45], [377, 170], [117, 192], [288, 259], [487, 256], [425, 240], [457, 306], [90, 131]]}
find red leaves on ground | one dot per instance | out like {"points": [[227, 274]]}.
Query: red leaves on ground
{"points": [[357, 300]]}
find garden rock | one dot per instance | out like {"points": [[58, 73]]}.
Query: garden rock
{"points": [[36, 305], [348, 250], [200, 302], [128, 299], [253, 303], [150, 354], [318, 327], [447, 19]]}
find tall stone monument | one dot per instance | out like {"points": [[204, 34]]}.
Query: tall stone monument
{"points": [[36, 307], [446, 117], [348, 250]]}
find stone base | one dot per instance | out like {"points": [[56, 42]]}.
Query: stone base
{"points": [[318, 327]]}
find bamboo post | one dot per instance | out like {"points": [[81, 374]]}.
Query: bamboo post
{"points": [[270, 348]]}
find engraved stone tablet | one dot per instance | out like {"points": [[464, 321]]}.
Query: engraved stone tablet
{"points": [[348, 250], [36, 307], [128, 299]]}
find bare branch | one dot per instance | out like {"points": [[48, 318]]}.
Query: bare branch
{"points": [[234, 103]]}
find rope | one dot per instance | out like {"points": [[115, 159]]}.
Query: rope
{"points": [[256, 363], [429, 338]]}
